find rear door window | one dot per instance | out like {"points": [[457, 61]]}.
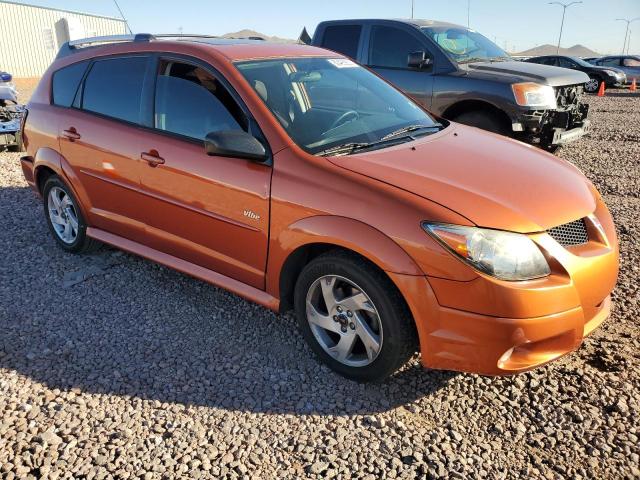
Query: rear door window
{"points": [[390, 47], [114, 88], [343, 39], [191, 102], [65, 84]]}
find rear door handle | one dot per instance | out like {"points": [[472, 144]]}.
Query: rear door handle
{"points": [[71, 134], [152, 157]]}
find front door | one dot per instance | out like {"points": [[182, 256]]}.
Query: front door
{"points": [[389, 49], [209, 210]]}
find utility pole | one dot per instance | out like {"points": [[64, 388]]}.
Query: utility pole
{"points": [[626, 32], [468, 13], [564, 10], [413, 4]]}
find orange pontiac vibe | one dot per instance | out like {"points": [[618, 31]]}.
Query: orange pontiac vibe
{"points": [[298, 179]]}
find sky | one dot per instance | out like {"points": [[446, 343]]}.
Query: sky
{"points": [[515, 24]]}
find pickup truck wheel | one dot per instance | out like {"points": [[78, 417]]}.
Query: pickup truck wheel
{"points": [[485, 120], [353, 317], [592, 85], [64, 217]]}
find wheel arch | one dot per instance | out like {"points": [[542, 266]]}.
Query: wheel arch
{"points": [[49, 162], [473, 105], [310, 237]]}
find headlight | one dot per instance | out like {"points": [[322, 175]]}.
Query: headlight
{"points": [[504, 255], [611, 73], [534, 95]]}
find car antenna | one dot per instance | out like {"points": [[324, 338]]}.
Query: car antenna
{"points": [[122, 15]]}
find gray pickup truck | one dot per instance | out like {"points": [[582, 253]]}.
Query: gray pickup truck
{"points": [[458, 74]]}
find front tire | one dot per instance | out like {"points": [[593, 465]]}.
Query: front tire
{"points": [[64, 217], [353, 317], [593, 85]]}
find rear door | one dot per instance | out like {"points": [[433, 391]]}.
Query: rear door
{"points": [[209, 210], [100, 138], [388, 52]]}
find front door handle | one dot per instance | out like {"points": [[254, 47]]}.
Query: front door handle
{"points": [[152, 157], [71, 134]]}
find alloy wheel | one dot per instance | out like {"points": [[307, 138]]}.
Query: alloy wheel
{"points": [[592, 85], [344, 320], [63, 215]]}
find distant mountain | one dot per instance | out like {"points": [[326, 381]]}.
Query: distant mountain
{"points": [[575, 51], [246, 33]]}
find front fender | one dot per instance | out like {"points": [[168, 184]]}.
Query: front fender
{"points": [[341, 232]]}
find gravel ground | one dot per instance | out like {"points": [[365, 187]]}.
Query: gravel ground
{"points": [[112, 366]]}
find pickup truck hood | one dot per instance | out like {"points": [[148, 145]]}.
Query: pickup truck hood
{"points": [[530, 72], [492, 181]]}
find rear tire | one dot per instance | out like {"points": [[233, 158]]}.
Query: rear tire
{"points": [[64, 217], [374, 321], [488, 121]]}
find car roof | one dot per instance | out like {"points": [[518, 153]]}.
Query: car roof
{"points": [[416, 22], [234, 49]]}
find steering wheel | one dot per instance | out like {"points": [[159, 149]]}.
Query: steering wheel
{"points": [[348, 116]]}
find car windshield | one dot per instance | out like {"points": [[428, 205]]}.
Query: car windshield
{"points": [[324, 103], [463, 45], [581, 62]]}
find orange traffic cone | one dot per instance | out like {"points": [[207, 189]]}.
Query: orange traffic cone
{"points": [[633, 86], [601, 90]]}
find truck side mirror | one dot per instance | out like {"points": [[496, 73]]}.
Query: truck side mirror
{"points": [[419, 60]]}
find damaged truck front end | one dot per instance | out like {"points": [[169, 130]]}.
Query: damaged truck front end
{"points": [[556, 127], [11, 114]]}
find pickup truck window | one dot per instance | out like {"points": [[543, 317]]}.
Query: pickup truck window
{"points": [[390, 47], [325, 102], [343, 39], [463, 45]]}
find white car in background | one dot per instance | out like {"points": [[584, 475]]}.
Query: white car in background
{"points": [[10, 114]]}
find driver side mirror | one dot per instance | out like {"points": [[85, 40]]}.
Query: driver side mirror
{"points": [[235, 143], [419, 60]]}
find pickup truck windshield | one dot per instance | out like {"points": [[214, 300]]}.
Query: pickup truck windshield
{"points": [[327, 103], [463, 45]]}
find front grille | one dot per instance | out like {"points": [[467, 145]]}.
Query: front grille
{"points": [[569, 234]]}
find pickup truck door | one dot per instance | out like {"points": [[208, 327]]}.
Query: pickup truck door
{"points": [[212, 211], [387, 55]]}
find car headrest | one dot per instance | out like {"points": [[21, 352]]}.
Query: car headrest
{"points": [[261, 88]]}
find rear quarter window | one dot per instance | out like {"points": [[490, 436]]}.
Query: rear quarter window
{"points": [[65, 84], [343, 39]]}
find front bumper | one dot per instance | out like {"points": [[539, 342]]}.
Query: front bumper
{"points": [[554, 127], [493, 327]]}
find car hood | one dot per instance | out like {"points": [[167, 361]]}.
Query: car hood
{"points": [[492, 181], [531, 72]]}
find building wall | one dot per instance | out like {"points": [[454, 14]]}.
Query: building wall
{"points": [[31, 36]]}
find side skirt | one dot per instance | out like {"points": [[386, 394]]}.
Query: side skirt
{"points": [[245, 291]]}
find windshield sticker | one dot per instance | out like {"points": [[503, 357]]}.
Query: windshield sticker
{"points": [[342, 63]]}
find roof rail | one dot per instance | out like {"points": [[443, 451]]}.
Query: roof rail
{"points": [[73, 45]]}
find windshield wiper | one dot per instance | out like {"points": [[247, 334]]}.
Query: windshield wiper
{"points": [[399, 136], [412, 128], [344, 149]]}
